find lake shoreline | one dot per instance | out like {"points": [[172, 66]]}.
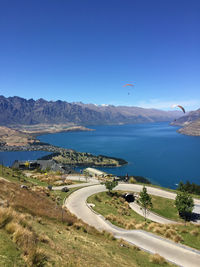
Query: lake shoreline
{"points": [[59, 151]]}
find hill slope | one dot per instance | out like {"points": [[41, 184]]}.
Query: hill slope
{"points": [[190, 123]]}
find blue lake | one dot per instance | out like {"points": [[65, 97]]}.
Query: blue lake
{"points": [[154, 150]]}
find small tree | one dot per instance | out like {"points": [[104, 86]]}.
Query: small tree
{"points": [[184, 204], [181, 186], [110, 185], [144, 201]]}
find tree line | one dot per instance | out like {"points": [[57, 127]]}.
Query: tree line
{"points": [[191, 188]]}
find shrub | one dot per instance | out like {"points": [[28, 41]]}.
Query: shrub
{"points": [[122, 200], [177, 238], [151, 226], [139, 226], [157, 259], [130, 225], [110, 217], [6, 215], [78, 225], [44, 239], [194, 232], [159, 230], [11, 227], [97, 198], [170, 233], [184, 231], [132, 180], [38, 258], [25, 239], [108, 235]]}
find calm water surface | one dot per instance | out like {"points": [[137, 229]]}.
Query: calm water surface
{"points": [[155, 151]]}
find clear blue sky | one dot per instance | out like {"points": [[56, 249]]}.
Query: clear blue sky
{"points": [[86, 50]]}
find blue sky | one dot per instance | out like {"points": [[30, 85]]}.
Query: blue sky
{"points": [[86, 50]]}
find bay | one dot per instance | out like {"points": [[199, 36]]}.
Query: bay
{"points": [[153, 150]]}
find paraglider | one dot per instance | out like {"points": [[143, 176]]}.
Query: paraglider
{"points": [[179, 106], [129, 84]]}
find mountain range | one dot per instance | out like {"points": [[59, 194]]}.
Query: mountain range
{"points": [[16, 110]]}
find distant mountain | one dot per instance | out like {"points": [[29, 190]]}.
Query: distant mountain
{"points": [[16, 110], [188, 118], [190, 123]]}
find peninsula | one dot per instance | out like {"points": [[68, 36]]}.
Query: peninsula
{"points": [[15, 140]]}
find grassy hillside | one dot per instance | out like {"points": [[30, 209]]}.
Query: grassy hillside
{"points": [[36, 231]]}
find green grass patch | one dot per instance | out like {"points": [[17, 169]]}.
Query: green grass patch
{"points": [[165, 207], [190, 234], [10, 255], [18, 177], [106, 204]]}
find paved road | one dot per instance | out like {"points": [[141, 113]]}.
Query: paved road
{"points": [[178, 254], [151, 216], [74, 185]]}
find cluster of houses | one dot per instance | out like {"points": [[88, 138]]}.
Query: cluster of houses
{"points": [[43, 165], [51, 165]]}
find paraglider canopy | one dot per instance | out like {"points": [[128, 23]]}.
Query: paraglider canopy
{"points": [[179, 106], [128, 84]]}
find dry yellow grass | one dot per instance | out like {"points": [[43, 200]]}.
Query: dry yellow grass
{"points": [[24, 238], [34, 203], [152, 225], [159, 230], [194, 232], [109, 235], [184, 231], [38, 257], [170, 233], [177, 238], [157, 259], [122, 200], [11, 227], [6, 215], [44, 239], [130, 225], [140, 226]]}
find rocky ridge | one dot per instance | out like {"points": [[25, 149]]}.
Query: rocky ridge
{"points": [[19, 111]]}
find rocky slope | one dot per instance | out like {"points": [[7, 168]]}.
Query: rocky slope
{"points": [[16, 110], [11, 137], [193, 128], [190, 123]]}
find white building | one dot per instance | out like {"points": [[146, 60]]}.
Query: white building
{"points": [[95, 173]]}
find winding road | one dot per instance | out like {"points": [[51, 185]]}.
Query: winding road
{"points": [[176, 253]]}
